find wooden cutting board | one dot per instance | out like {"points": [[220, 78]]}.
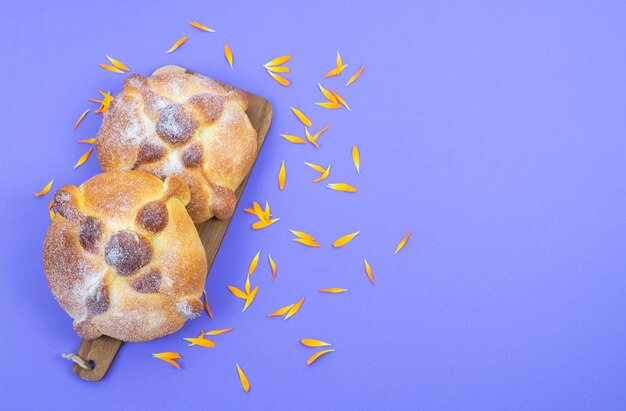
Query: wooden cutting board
{"points": [[101, 352]]}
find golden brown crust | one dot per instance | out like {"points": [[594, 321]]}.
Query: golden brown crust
{"points": [[124, 258], [179, 123]]}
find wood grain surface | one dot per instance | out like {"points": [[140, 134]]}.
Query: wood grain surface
{"points": [[101, 351]]}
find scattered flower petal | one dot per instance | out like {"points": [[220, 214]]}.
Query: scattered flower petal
{"points": [[341, 241], [250, 298], [329, 96], [368, 271], [309, 342], [262, 224], [200, 341], [247, 286], [273, 266], [229, 55], [111, 68], [245, 384], [50, 210], [277, 61], [217, 332], [356, 159], [118, 64], [206, 304], [254, 263], [169, 357], [317, 355], [282, 176], [293, 139], [281, 311], [201, 27], [341, 100], [302, 117], [87, 141], [302, 234], [316, 167], [342, 187], [281, 80], [45, 190], [293, 310], [310, 138], [323, 176], [331, 105], [279, 69], [176, 45], [307, 242], [83, 158], [237, 292], [403, 242], [80, 119], [319, 133], [333, 290], [355, 76]]}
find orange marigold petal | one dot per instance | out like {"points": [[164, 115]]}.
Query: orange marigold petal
{"points": [[403, 242], [200, 341], [342, 187], [315, 167], [302, 234], [176, 45], [254, 263], [281, 80], [169, 357], [341, 100], [307, 242], [118, 64], [80, 119], [262, 224], [319, 133], [323, 176], [247, 286], [356, 159], [331, 105], [45, 189], [201, 27], [368, 271], [333, 72], [293, 310], [341, 241], [206, 304], [281, 311], [277, 61], [83, 158], [310, 138], [302, 117], [229, 55], [293, 139], [278, 69], [333, 290], [355, 76], [245, 384], [273, 266], [310, 342], [282, 176], [111, 68], [217, 332], [87, 141], [250, 298], [237, 292], [330, 96], [317, 355]]}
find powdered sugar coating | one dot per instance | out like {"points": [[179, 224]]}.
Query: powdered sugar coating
{"points": [[130, 283], [185, 124]]}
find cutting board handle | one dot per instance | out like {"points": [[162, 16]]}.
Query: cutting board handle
{"points": [[98, 354]]}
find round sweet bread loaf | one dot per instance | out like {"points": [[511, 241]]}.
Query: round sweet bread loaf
{"points": [[181, 123], [123, 258]]}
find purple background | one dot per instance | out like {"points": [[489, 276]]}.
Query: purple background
{"points": [[496, 133]]}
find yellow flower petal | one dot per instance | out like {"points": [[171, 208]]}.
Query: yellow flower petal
{"points": [[303, 118], [176, 45], [307, 242], [330, 96], [111, 68], [281, 311], [118, 64], [341, 100], [258, 210], [281, 80], [278, 69], [333, 290], [83, 158], [293, 139], [333, 72], [368, 271], [309, 342], [217, 332], [356, 159], [245, 384], [282, 176], [293, 310], [247, 286], [201, 27], [237, 292], [250, 298], [310, 138], [80, 119], [273, 266], [338, 62], [319, 133], [316, 356], [323, 176], [229, 55], [206, 305], [315, 167], [50, 210], [302, 234], [262, 224], [277, 61], [355, 76], [403, 242], [254, 263], [342, 187], [266, 212], [331, 105], [87, 141], [341, 241], [201, 341], [45, 190], [168, 357]]}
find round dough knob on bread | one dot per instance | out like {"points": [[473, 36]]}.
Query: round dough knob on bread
{"points": [[123, 258], [179, 123]]}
